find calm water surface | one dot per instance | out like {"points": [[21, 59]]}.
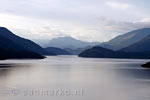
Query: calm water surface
{"points": [[73, 78]]}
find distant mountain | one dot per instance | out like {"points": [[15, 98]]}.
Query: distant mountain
{"points": [[140, 46], [41, 41], [127, 39], [19, 43], [99, 52], [69, 42], [57, 51]]}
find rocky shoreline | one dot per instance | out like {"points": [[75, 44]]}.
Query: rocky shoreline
{"points": [[146, 65]]}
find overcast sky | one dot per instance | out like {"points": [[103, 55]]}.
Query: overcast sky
{"points": [[89, 20]]}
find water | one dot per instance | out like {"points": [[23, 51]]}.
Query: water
{"points": [[73, 78]]}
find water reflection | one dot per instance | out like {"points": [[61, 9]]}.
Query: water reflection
{"points": [[99, 79], [6, 65]]}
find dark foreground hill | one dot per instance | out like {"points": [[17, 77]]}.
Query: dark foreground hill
{"points": [[57, 51], [19, 43], [99, 52], [13, 47], [76, 51], [147, 65], [7, 54]]}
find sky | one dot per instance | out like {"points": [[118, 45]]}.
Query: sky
{"points": [[87, 20]]}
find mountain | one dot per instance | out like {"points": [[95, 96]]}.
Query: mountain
{"points": [[19, 43], [76, 51], [8, 51], [100, 52], [69, 42], [140, 46], [97, 52], [14, 47], [127, 39], [57, 51], [10, 54]]}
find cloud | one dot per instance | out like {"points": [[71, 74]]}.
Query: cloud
{"points": [[89, 20], [118, 5], [114, 28], [146, 20]]}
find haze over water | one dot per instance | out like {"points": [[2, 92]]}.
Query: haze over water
{"points": [[92, 79]]}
